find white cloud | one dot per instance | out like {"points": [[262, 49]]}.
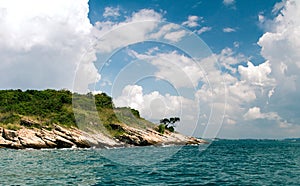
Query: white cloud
{"points": [[257, 75], [228, 2], [228, 30], [111, 12], [261, 18], [269, 85], [280, 46], [145, 15], [142, 25], [255, 113], [155, 106], [278, 6], [284, 36], [204, 29], [253, 85], [192, 21], [97, 92], [164, 30], [175, 36], [178, 69], [227, 58], [41, 47]]}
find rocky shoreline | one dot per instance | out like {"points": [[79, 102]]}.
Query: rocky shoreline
{"points": [[60, 137]]}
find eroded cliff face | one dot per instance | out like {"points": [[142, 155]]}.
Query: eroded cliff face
{"points": [[60, 137]]}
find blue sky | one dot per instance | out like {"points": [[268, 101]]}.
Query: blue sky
{"points": [[228, 68], [242, 16]]}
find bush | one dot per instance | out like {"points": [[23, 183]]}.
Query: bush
{"points": [[136, 113], [161, 128]]}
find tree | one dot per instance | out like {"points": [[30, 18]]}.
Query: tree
{"points": [[165, 121], [103, 101], [169, 123]]}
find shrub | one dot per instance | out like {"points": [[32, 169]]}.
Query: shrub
{"points": [[161, 128]]}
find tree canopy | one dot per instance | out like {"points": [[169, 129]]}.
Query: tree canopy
{"points": [[170, 121], [168, 124], [52, 106]]}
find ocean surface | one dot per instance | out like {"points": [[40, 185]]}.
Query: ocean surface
{"points": [[224, 162]]}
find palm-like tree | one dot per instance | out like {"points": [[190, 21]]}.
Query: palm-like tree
{"points": [[169, 122]]}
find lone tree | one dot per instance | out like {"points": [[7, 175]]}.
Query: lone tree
{"points": [[169, 124]]}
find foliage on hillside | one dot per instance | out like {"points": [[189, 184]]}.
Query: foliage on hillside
{"points": [[50, 107]]}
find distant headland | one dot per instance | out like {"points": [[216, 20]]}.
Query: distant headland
{"points": [[45, 119]]}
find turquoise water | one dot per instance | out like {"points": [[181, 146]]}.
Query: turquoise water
{"points": [[225, 162]]}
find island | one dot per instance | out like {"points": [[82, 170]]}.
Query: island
{"points": [[62, 119]]}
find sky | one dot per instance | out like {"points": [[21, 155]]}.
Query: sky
{"points": [[227, 68]]}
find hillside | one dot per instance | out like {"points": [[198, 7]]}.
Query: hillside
{"points": [[48, 107], [61, 119]]}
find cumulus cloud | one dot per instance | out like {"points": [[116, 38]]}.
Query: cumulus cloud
{"points": [[217, 87], [153, 105], [111, 12], [248, 89], [227, 58], [43, 43], [192, 21], [136, 28], [203, 29], [140, 26], [177, 68], [279, 46], [213, 87], [257, 75], [175, 36], [253, 85], [255, 113], [265, 94], [281, 43]]}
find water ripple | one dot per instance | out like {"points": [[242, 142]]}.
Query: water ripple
{"points": [[225, 162]]}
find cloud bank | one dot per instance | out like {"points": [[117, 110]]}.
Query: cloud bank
{"points": [[43, 42]]}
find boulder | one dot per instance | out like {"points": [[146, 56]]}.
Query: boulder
{"points": [[8, 143], [63, 143], [10, 135], [30, 139]]}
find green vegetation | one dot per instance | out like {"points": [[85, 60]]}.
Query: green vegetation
{"points": [[161, 128], [167, 124], [48, 107]]}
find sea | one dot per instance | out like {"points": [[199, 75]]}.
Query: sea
{"points": [[222, 162]]}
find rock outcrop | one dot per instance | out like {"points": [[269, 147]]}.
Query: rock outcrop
{"points": [[139, 137], [61, 137]]}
